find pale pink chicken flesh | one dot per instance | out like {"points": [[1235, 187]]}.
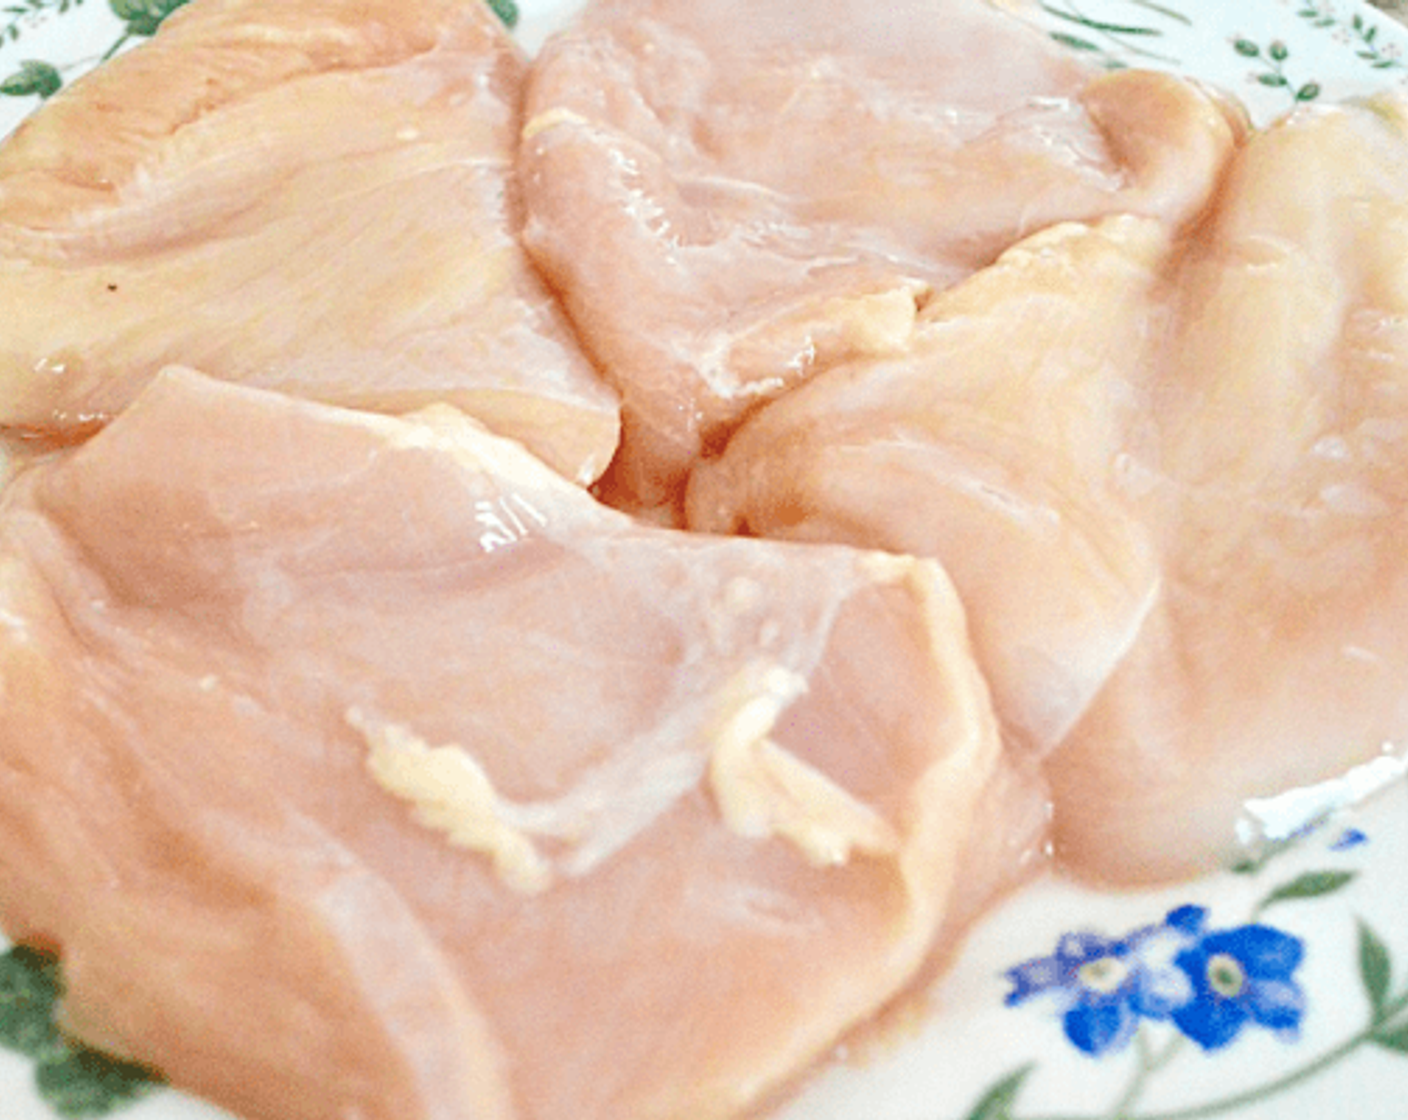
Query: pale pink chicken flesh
{"points": [[1168, 475], [993, 445], [732, 197], [314, 196], [363, 766], [1277, 655]]}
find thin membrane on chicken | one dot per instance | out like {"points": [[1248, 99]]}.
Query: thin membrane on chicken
{"points": [[312, 195], [361, 765], [731, 197], [1170, 479]]}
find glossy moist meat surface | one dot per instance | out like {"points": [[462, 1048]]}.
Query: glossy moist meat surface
{"points": [[732, 197], [1277, 653], [993, 443], [1166, 470], [313, 196], [363, 766]]}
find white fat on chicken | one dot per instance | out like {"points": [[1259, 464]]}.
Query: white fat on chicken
{"points": [[762, 790]]}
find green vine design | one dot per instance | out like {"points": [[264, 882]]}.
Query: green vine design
{"points": [[36, 78], [10, 31], [1369, 50], [76, 1081], [33, 77], [1385, 1025], [1363, 31], [142, 18], [1108, 40], [1116, 43], [1273, 60]]}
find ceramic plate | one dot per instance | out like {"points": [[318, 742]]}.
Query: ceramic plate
{"points": [[1307, 943]]}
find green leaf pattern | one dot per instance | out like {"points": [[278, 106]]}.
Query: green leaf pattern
{"points": [[1394, 1038], [33, 77], [17, 15], [37, 78], [1385, 1026], [1313, 884], [75, 1080], [997, 1103], [1124, 33], [1374, 969]]}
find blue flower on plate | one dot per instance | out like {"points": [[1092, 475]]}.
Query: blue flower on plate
{"points": [[1103, 986], [1349, 838], [1241, 976]]}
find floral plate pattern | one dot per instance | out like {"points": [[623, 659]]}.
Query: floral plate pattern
{"points": [[1272, 54], [1275, 991], [1279, 992]]}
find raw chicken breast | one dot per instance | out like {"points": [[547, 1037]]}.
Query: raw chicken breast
{"points": [[362, 766], [1170, 479], [993, 444], [732, 197], [1277, 656], [312, 195]]}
